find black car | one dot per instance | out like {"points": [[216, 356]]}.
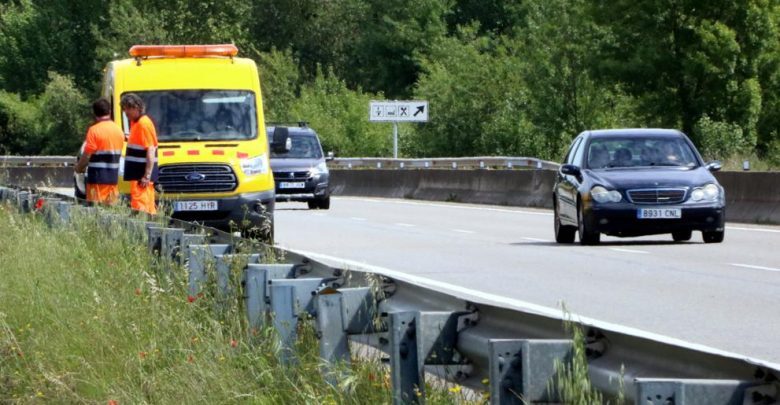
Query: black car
{"points": [[300, 169], [633, 182]]}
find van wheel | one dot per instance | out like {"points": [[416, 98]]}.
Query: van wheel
{"points": [[324, 203]]}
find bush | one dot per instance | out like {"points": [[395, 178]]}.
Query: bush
{"points": [[718, 139]]}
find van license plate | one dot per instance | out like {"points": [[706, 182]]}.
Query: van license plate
{"points": [[659, 213], [292, 184], [209, 205]]}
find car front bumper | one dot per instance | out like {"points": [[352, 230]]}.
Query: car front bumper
{"points": [[622, 219]]}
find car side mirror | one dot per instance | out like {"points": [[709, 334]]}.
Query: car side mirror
{"points": [[714, 166], [570, 170], [330, 156], [281, 142]]}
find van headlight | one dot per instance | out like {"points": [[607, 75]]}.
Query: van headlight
{"points": [[710, 192], [602, 195], [319, 170], [254, 165]]}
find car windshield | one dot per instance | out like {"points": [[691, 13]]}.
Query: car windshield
{"points": [[606, 153], [201, 115], [303, 147]]}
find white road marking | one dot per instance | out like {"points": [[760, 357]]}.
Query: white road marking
{"points": [[629, 250], [454, 206], [403, 224], [538, 240], [462, 231], [749, 266], [523, 306], [357, 219], [739, 228], [319, 214]]}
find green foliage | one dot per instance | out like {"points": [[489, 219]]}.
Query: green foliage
{"points": [[280, 77], [18, 123], [340, 117], [717, 140]]}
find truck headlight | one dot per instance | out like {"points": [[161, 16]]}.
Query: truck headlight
{"points": [[602, 195], [254, 165]]}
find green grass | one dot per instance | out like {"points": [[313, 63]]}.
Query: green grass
{"points": [[85, 319]]}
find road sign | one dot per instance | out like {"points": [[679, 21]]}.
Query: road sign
{"points": [[398, 111]]}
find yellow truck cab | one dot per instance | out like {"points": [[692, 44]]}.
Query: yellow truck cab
{"points": [[213, 152]]}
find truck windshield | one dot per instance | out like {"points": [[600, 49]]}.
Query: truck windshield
{"points": [[201, 115]]}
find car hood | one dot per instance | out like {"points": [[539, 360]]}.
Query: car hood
{"points": [[652, 177], [295, 165]]}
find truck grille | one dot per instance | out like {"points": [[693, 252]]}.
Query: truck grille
{"points": [[657, 196], [291, 175], [199, 178]]}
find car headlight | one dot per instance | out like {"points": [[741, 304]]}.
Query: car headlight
{"points": [[602, 195], [320, 169], [254, 165], [710, 192]]}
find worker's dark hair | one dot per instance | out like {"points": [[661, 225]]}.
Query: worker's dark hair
{"points": [[132, 100], [101, 107]]}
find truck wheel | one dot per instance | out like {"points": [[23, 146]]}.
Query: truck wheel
{"points": [[324, 203]]}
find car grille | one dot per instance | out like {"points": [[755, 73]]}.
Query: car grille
{"points": [[657, 196], [216, 178], [291, 175]]}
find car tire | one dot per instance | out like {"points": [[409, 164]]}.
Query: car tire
{"points": [[324, 203], [713, 236], [587, 235], [563, 233], [682, 236], [313, 205]]}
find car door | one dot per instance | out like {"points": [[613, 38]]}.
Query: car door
{"points": [[567, 185]]}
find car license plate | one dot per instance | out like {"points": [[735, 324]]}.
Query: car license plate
{"points": [[292, 184], [209, 205], [659, 213]]}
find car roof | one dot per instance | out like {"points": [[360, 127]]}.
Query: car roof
{"points": [[629, 132], [292, 130]]}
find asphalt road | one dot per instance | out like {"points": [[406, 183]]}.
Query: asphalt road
{"points": [[726, 296]]}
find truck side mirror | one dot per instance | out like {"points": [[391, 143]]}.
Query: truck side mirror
{"points": [[330, 156], [281, 142]]}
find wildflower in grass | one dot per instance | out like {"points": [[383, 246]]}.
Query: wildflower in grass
{"points": [[190, 359], [456, 389], [112, 402], [142, 355], [191, 299], [233, 343], [485, 381], [137, 291], [39, 394], [371, 377], [39, 204]]}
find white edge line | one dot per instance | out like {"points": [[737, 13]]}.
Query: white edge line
{"points": [[537, 239], [750, 266], [462, 231], [403, 224], [510, 303], [739, 228]]}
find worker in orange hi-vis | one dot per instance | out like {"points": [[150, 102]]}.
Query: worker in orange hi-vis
{"points": [[141, 154], [102, 151]]}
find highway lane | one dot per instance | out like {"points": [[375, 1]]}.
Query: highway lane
{"points": [[721, 295]]}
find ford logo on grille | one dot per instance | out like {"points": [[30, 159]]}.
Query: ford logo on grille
{"points": [[195, 177]]}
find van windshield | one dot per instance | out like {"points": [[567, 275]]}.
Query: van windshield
{"points": [[201, 115], [302, 147]]}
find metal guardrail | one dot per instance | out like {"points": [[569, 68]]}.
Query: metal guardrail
{"points": [[486, 162], [425, 327]]}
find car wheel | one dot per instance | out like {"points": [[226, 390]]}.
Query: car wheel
{"points": [[713, 236], [324, 203], [563, 233], [588, 236], [681, 236]]}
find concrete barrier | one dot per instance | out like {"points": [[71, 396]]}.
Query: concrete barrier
{"points": [[751, 197], [37, 176]]}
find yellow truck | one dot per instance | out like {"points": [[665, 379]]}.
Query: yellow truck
{"points": [[213, 151]]}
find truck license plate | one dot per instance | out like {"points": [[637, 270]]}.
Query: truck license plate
{"points": [[292, 184], [208, 205], [659, 213]]}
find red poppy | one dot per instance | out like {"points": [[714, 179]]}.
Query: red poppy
{"points": [[112, 402], [190, 359], [39, 204], [142, 355], [233, 343], [137, 291], [191, 298]]}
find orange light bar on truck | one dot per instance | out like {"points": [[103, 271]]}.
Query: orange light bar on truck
{"points": [[141, 51]]}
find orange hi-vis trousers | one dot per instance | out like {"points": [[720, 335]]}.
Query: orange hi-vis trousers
{"points": [[142, 198], [102, 193]]}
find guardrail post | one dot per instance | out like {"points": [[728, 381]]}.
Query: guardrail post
{"points": [[49, 211], [3, 192], [406, 372], [521, 370], [198, 258], [341, 312], [63, 210], [290, 298], [23, 201], [224, 266], [257, 290], [662, 391]]}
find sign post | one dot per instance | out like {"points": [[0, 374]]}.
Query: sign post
{"points": [[398, 111]]}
